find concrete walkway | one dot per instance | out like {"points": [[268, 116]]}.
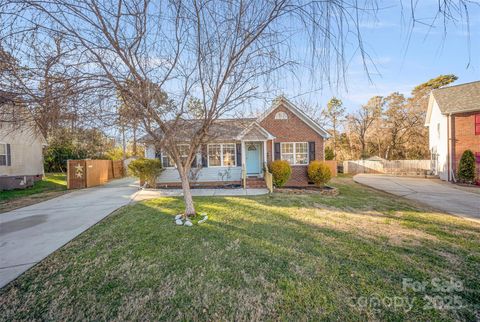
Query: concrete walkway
{"points": [[151, 194], [432, 192], [29, 234]]}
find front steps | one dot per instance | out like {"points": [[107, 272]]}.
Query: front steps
{"points": [[256, 183]]}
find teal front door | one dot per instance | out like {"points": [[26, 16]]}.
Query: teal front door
{"points": [[252, 158]]}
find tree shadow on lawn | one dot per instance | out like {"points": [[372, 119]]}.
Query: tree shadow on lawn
{"points": [[281, 240], [253, 259], [379, 205]]}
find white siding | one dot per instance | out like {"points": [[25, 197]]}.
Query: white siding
{"points": [[211, 174], [438, 139], [26, 150], [207, 174]]}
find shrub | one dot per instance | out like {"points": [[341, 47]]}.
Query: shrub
{"points": [[319, 173], [147, 170], [281, 172], [466, 168]]}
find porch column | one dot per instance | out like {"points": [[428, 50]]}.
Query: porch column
{"points": [[265, 152], [244, 171], [273, 150]]}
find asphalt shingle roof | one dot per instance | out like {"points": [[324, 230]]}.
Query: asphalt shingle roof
{"points": [[458, 98], [221, 129]]}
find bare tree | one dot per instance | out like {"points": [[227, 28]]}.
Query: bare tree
{"points": [[214, 51], [362, 120], [217, 53], [44, 75]]}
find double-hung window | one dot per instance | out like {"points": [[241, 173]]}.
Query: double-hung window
{"points": [[168, 162], [222, 155], [296, 153]]}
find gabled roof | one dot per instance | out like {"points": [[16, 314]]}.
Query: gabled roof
{"points": [[282, 101], [221, 129], [455, 99], [237, 129], [255, 129], [458, 98]]}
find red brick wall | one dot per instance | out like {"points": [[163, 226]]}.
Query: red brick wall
{"points": [[292, 130], [465, 139]]}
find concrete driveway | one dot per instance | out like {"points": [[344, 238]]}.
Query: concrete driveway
{"points": [[432, 192], [28, 235]]}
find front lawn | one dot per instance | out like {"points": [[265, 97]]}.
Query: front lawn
{"points": [[50, 186], [280, 257]]}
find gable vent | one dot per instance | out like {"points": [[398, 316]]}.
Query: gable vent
{"points": [[281, 116]]}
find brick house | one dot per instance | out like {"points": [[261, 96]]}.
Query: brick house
{"points": [[246, 145], [453, 120]]}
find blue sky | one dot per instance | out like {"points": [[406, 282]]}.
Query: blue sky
{"points": [[401, 62]]}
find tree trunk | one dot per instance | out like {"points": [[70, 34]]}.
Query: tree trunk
{"points": [[124, 144], [187, 194], [134, 148]]}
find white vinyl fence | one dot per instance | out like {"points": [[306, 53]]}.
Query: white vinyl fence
{"points": [[395, 167]]}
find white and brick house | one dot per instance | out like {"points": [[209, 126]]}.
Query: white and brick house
{"points": [[246, 145], [453, 120]]}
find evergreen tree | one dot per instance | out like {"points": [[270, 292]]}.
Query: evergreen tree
{"points": [[466, 168]]}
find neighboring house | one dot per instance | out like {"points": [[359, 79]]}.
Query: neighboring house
{"points": [[453, 120], [21, 150], [246, 145]]}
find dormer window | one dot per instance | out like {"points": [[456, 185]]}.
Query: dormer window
{"points": [[281, 116]]}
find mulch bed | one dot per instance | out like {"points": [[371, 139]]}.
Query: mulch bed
{"points": [[325, 191]]}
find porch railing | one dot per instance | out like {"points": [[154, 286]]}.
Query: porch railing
{"points": [[268, 179]]}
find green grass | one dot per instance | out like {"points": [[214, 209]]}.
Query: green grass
{"points": [[51, 182], [279, 257]]}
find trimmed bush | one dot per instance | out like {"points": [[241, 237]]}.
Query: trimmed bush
{"points": [[147, 170], [319, 173], [466, 168], [281, 172]]}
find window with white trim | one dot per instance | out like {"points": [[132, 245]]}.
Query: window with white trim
{"points": [[183, 149], [222, 155], [3, 154], [281, 116], [296, 153]]}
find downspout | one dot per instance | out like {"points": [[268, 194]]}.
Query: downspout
{"points": [[448, 147], [451, 148]]}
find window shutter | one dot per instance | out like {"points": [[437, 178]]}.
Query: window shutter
{"points": [[477, 124], [204, 156], [277, 151], [311, 151], [9, 156], [239, 154], [193, 164], [158, 154]]}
